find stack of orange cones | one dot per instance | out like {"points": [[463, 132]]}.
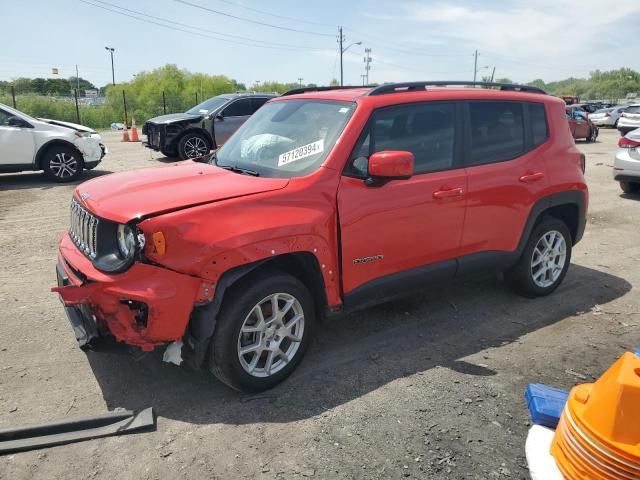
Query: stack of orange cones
{"points": [[125, 133], [134, 131], [598, 436]]}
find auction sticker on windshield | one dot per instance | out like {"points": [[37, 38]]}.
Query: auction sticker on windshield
{"points": [[301, 152]]}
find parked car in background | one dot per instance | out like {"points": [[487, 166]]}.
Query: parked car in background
{"points": [[62, 149], [580, 125], [326, 201], [607, 117], [630, 119], [202, 128], [626, 165]]}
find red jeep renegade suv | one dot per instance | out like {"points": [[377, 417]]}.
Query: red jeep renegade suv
{"points": [[325, 201]]}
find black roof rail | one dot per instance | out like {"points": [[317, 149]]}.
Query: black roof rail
{"points": [[418, 86], [296, 91]]}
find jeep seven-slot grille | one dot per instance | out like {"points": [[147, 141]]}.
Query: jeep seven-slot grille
{"points": [[84, 229]]}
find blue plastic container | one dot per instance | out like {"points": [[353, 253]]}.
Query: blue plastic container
{"points": [[545, 404]]}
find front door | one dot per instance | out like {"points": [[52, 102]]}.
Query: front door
{"points": [[16, 143], [233, 115], [396, 235]]}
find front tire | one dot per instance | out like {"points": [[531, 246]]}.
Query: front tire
{"points": [[262, 332], [593, 135], [193, 145], [62, 163], [544, 261]]}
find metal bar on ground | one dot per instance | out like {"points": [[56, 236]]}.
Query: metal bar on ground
{"points": [[68, 431]]}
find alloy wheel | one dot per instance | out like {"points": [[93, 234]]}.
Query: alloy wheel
{"points": [[63, 165], [195, 147], [271, 335], [548, 259]]}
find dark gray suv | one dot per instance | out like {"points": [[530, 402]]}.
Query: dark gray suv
{"points": [[202, 128]]}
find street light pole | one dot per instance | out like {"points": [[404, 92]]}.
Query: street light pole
{"points": [[300, 81], [113, 75], [341, 40], [475, 66]]}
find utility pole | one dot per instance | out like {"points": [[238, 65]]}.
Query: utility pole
{"points": [[363, 75], [367, 63], [493, 73], [300, 81], [113, 75], [475, 66], [77, 80], [340, 40]]}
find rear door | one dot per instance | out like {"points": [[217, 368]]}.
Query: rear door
{"points": [[390, 231], [17, 145], [504, 154], [233, 115]]}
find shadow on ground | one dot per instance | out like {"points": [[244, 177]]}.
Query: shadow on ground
{"points": [[38, 180], [358, 353]]}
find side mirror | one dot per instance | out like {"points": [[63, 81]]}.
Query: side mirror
{"points": [[390, 165], [219, 117], [14, 121]]}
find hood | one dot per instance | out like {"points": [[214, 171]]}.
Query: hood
{"points": [[174, 117], [135, 194], [73, 126]]}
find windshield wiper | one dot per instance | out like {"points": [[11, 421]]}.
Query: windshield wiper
{"points": [[237, 169]]}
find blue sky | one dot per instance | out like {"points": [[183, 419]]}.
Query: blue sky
{"points": [[410, 40]]}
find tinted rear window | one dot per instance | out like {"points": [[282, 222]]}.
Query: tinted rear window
{"points": [[538, 119], [497, 131], [633, 110]]}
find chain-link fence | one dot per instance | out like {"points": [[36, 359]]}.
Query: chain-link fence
{"points": [[102, 111]]}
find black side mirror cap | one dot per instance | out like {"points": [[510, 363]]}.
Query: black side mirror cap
{"points": [[14, 121]]}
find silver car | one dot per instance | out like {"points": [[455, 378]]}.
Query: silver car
{"points": [[630, 119], [607, 117], [626, 166]]}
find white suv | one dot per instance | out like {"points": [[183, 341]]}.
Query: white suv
{"points": [[630, 119], [61, 149], [626, 166]]}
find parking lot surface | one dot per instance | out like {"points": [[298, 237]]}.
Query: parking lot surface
{"points": [[427, 387]]}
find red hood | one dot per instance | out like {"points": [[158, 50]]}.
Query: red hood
{"points": [[122, 197]]}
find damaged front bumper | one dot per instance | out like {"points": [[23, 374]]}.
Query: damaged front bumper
{"points": [[146, 306], [92, 149]]}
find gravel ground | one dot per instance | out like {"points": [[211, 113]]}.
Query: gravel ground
{"points": [[427, 387]]}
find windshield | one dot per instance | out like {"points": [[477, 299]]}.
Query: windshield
{"points": [[208, 106], [284, 139]]}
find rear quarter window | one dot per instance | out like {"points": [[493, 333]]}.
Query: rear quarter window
{"points": [[538, 124]]}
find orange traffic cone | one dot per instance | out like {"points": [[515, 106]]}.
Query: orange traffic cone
{"points": [[125, 133], [134, 131], [598, 437]]}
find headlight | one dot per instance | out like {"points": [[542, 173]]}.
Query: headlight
{"points": [[126, 241], [78, 133]]}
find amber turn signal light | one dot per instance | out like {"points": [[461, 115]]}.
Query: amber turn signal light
{"points": [[159, 243]]}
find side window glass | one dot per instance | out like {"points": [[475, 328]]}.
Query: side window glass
{"points": [[238, 108], [426, 130], [4, 117], [256, 103], [538, 119], [497, 131]]}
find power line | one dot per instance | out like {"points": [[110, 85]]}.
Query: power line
{"points": [[256, 22], [275, 15], [199, 30]]}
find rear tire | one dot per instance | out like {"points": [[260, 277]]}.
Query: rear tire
{"points": [[62, 163], [544, 261], [629, 187], [593, 135], [193, 145], [247, 322]]}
